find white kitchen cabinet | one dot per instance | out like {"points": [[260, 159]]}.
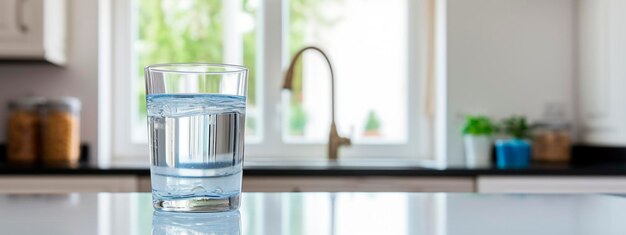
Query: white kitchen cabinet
{"points": [[131, 183], [67, 184], [358, 184], [33, 30], [348, 184], [550, 184], [602, 74], [481, 184], [11, 23]]}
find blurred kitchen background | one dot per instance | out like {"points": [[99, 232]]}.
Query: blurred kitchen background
{"points": [[491, 86]]}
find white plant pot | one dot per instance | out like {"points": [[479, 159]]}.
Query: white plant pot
{"points": [[477, 150]]}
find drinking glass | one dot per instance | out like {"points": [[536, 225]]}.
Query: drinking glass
{"points": [[196, 121]]}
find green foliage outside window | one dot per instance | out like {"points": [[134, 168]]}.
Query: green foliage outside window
{"points": [[187, 31], [192, 31], [297, 120]]}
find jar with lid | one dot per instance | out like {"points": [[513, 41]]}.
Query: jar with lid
{"points": [[23, 135], [552, 136], [61, 130], [551, 143]]}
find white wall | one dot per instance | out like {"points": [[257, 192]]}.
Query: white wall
{"points": [[508, 57], [78, 78]]}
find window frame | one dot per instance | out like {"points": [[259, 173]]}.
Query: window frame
{"points": [[272, 60]]}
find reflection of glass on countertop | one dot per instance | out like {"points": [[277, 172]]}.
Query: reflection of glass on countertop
{"points": [[227, 223]]}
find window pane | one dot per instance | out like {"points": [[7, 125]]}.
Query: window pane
{"points": [[367, 41], [213, 31]]}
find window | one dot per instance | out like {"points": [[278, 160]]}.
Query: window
{"points": [[367, 43], [191, 31], [371, 43]]}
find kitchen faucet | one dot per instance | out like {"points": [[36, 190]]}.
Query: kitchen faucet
{"points": [[334, 140]]}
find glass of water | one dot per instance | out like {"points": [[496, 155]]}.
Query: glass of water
{"points": [[196, 121]]}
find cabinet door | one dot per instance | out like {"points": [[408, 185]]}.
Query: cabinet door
{"points": [[8, 21], [21, 28], [549, 184], [67, 184], [12, 19], [358, 184]]}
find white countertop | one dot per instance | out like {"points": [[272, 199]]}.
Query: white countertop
{"points": [[321, 213]]}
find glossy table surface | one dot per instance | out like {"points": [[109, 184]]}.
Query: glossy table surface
{"points": [[321, 213]]}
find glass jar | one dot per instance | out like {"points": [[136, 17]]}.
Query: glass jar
{"points": [[61, 130], [551, 142], [23, 135]]}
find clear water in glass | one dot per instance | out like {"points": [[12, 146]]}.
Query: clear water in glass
{"points": [[196, 144]]}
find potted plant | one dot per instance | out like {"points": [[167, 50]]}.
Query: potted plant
{"points": [[515, 151], [477, 138], [372, 125]]}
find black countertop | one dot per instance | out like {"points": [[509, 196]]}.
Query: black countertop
{"points": [[329, 169], [586, 161], [322, 213]]}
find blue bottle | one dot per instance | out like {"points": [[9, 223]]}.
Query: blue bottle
{"points": [[513, 153]]}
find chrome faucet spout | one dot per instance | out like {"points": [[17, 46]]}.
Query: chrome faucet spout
{"points": [[334, 140]]}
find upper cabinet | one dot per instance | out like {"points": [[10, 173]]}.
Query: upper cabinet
{"points": [[602, 71], [33, 30]]}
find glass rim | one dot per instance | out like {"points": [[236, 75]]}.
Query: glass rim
{"points": [[175, 68]]}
